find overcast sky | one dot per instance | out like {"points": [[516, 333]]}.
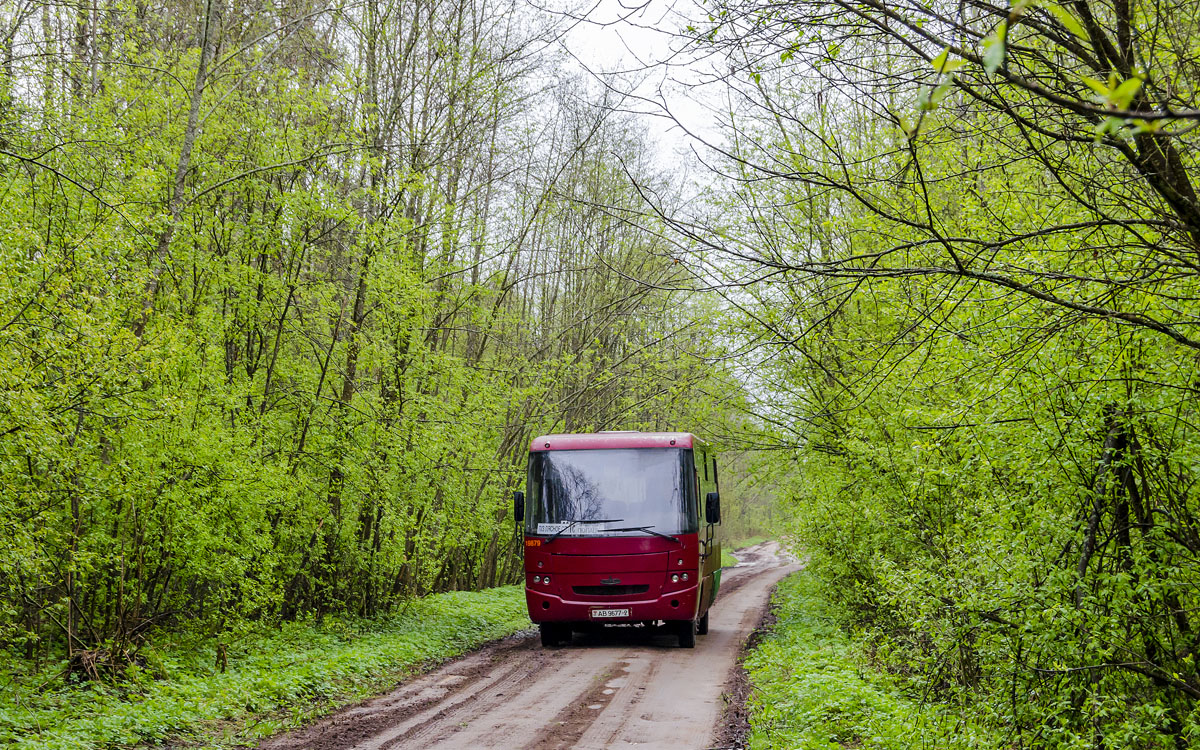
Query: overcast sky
{"points": [[636, 47]]}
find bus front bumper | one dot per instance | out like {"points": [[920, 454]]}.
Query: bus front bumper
{"points": [[673, 605]]}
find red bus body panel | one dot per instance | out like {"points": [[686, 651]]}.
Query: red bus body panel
{"points": [[605, 569]]}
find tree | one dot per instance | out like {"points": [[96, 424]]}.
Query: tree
{"points": [[966, 248]]}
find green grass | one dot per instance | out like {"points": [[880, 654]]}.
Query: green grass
{"points": [[812, 690], [276, 679], [748, 542], [728, 559]]}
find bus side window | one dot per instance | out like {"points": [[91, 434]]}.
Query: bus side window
{"points": [[714, 471], [706, 468]]}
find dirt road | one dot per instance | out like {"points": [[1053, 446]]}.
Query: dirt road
{"points": [[621, 688]]}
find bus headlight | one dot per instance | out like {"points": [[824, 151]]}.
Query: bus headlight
{"points": [[546, 579], [537, 579], [685, 576], [674, 578]]}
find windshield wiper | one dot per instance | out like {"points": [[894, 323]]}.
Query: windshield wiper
{"points": [[651, 530], [559, 533]]}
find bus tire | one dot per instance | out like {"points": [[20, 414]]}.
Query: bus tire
{"points": [[687, 634], [702, 624], [554, 634]]}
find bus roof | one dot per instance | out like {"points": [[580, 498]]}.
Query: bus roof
{"points": [[624, 439]]}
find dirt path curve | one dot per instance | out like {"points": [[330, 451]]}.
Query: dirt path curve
{"points": [[619, 688]]}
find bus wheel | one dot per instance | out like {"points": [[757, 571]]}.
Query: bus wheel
{"points": [[554, 634], [702, 624], [687, 633]]}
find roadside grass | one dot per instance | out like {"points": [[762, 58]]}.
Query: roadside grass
{"points": [[749, 541], [728, 559], [813, 691], [277, 678]]}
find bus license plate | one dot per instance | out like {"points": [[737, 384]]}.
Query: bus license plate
{"points": [[612, 612]]}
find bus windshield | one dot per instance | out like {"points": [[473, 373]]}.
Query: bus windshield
{"points": [[616, 492]]}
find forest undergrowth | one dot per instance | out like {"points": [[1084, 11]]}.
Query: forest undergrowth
{"points": [[190, 689]]}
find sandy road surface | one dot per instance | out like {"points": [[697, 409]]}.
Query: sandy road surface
{"points": [[620, 688]]}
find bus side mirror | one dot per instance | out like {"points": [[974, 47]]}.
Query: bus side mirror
{"points": [[518, 506], [712, 507]]}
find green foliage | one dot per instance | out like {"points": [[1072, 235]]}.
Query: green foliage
{"points": [[995, 47], [813, 689], [276, 678]]}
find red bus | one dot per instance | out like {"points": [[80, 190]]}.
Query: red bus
{"points": [[619, 529]]}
